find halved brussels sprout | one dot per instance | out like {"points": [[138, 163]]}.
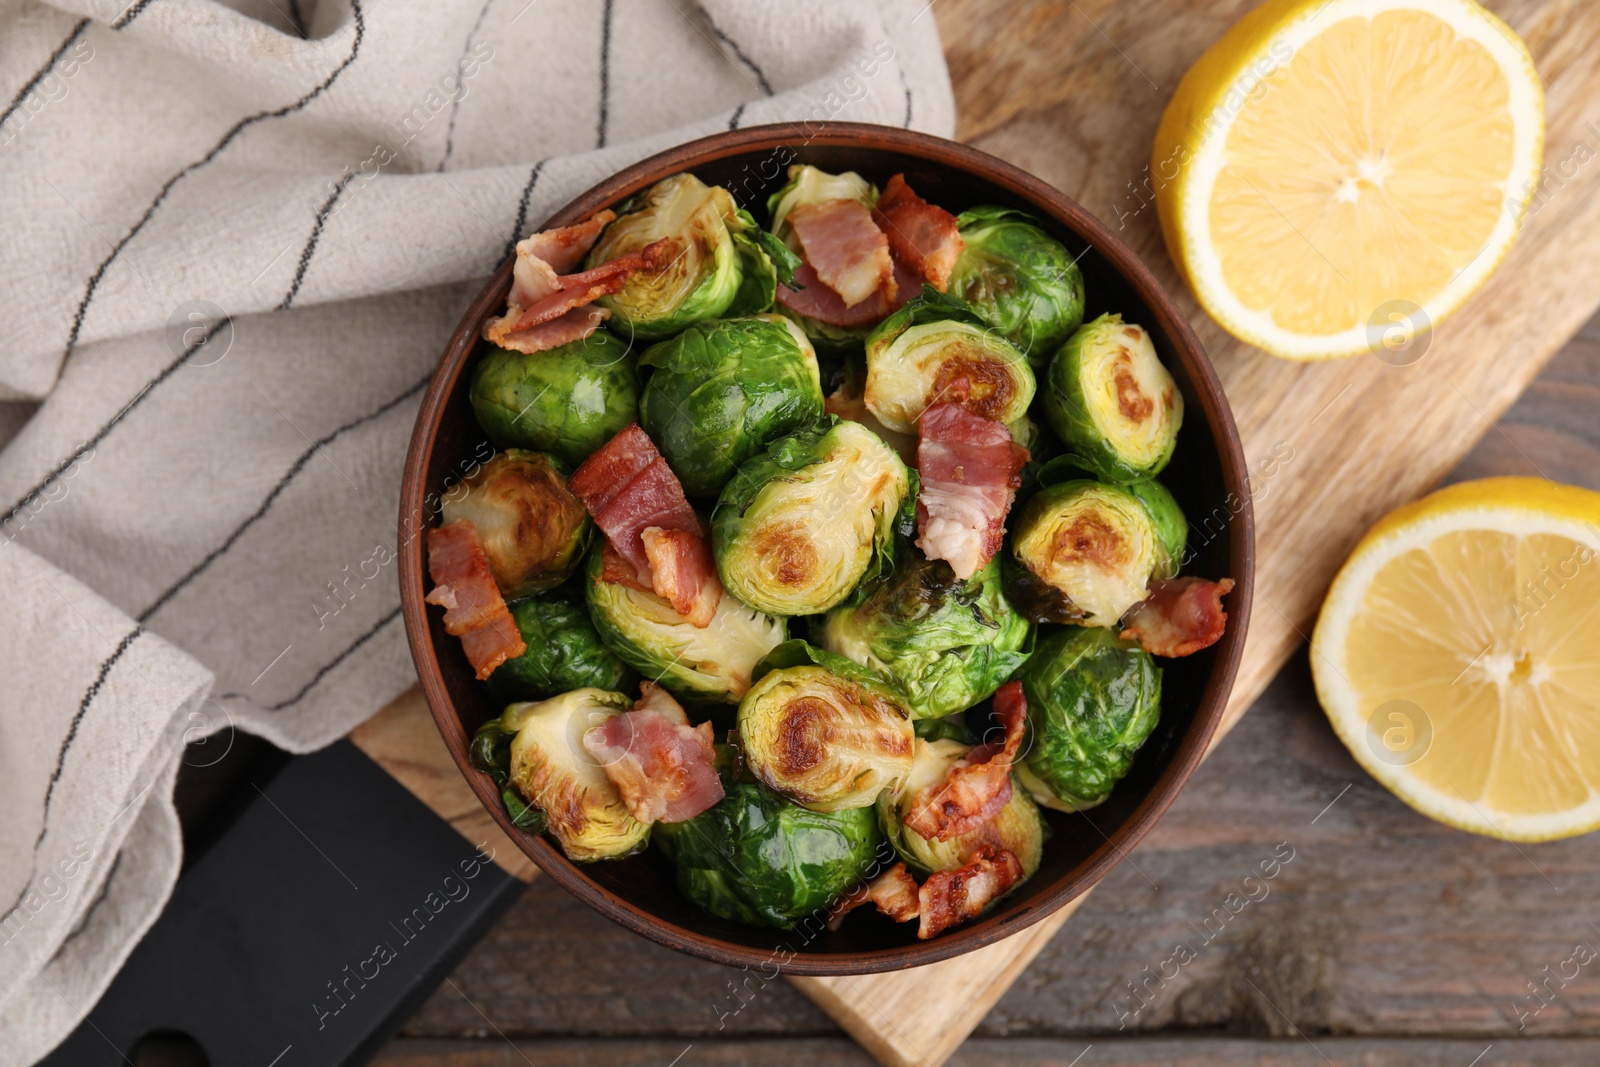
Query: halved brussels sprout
{"points": [[568, 401], [936, 349], [808, 185], [706, 272], [1092, 701], [532, 528], [822, 730], [757, 858], [719, 391], [564, 653], [801, 525], [1019, 826], [1081, 552], [1019, 280], [552, 770], [1111, 402], [1171, 526], [694, 664], [945, 643]]}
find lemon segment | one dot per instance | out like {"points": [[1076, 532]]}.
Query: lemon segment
{"points": [[1327, 161], [1457, 656]]}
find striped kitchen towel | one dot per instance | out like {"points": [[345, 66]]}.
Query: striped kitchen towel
{"points": [[237, 236]]}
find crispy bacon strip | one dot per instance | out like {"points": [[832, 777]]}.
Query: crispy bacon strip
{"points": [[662, 767], [682, 573], [816, 301], [474, 610], [1179, 617], [979, 785], [845, 248], [949, 898], [894, 892], [970, 470], [629, 490], [544, 256], [920, 234], [542, 293]]}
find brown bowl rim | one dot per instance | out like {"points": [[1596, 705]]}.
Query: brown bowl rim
{"points": [[1219, 420]]}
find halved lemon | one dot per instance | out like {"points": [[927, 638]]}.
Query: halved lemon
{"points": [[1333, 174], [1458, 657]]}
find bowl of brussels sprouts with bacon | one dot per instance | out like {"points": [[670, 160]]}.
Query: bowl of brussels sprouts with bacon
{"points": [[862, 558]]}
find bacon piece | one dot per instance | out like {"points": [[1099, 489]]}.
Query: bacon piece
{"points": [[682, 572], [978, 786], [949, 898], [817, 301], [542, 256], [663, 767], [474, 610], [845, 248], [575, 325], [629, 490], [920, 234], [541, 293], [970, 470], [894, 892], [1179, 617]]}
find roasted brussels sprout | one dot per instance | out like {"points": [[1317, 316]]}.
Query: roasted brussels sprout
{"points": [[1172, 528], [1019, 280], [1019, 826], [808, 185], [801, 525], [1111, 402], [707, 271], [945, 643], [568, 401], [553, 772], [564, 653], [757, 858], [532, 528], [936, 349], [1092, 701], [822, 730], [694, 664], [719, 391], [1081, 552]]}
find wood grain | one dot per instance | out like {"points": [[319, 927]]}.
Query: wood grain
{"points": [[1210, 1051], [1072, 92]]}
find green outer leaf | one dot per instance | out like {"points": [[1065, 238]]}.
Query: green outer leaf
{"points": [[719, 391], [928, 306], [1070, 412], [663, 653], [759, 285], [1092, 701], [785, 461], [784, 261], [568, 401], [1018, 279], [1172, 528], [945, 643], [564, 653], [490, 753], [756, 858]]}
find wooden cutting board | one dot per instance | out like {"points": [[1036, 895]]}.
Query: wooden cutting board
{"points": [[1071, 90]]}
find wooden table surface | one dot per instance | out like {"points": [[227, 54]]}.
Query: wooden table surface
{"points": [[1385, 938]]}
